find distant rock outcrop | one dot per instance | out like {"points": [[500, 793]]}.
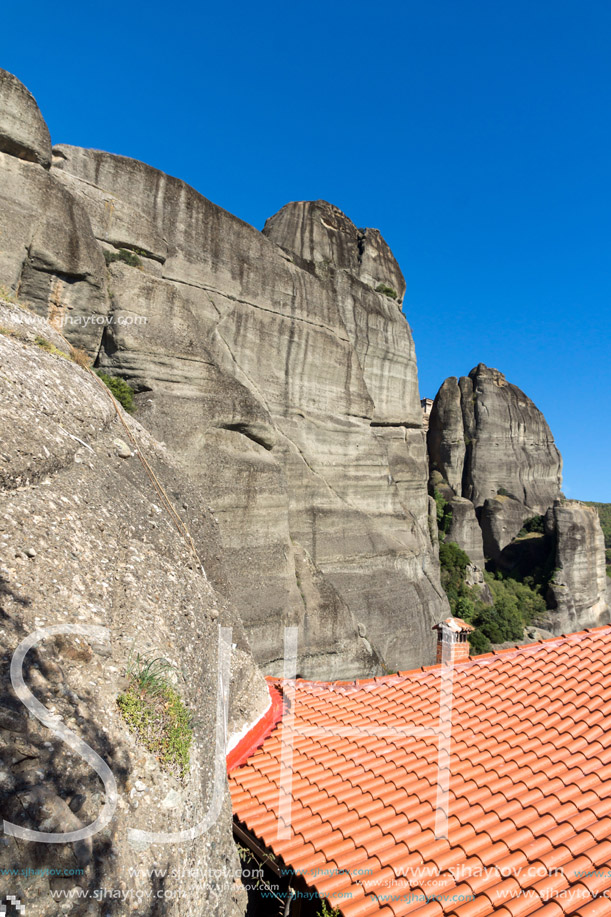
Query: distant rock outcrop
{"points": [[579, 584], [501, 518], [487, 437], [464, 530], [492, 457]]}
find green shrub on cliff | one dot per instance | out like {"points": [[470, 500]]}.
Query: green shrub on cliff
{"points": [[502, 621], [386, 290], [515, 603], [121, 389], [479, 643], [127, 257], [44, 344], [534, 524], [454, 564]]}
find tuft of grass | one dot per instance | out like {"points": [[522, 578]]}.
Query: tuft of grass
{"points": [[7, 332], [153, 709], [386, 290], [150, 673], [121, 389], [127, 257], [80, 357], [44, 344], [7, 296]]}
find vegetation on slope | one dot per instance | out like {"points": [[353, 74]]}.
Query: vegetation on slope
{"points": [[516, 602], [121, 389], [153, 709]]}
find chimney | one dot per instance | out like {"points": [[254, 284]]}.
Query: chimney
{"points": [[453, 640]]}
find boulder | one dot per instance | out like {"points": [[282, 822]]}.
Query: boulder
{"points": [[23, 131]]}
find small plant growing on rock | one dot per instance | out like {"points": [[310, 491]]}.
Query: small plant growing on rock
{"points": [[44, 344], [127, 257], [121, 389], [327, 911], [80, 357], [10, 297], [386, 290], [154, 710]]}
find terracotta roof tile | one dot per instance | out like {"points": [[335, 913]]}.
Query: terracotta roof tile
{"points": [[600, 907], [528, 791]]}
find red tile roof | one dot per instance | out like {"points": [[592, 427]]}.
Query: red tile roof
{"points": [[528, 792]]}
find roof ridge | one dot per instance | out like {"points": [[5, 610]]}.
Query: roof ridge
{"points": [[278, 682]]}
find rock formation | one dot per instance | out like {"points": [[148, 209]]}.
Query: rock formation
{"points": [[288, 387], [465, 531], [579, 584], [493, 458], [85, 540], [48, 256], [278, 368], [486, 436], [502, 517], [23, 131]]}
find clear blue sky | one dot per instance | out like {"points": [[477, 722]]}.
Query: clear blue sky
{"points": [[475, 135]]}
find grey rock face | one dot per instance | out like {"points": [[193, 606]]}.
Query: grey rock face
{"points": [[284, 382], [289, 387], [83, 540], [49, 257], [321, 234], [579, 585], [501, 519], [23, 132], [485, 436], [465, 531], [446, 435]]}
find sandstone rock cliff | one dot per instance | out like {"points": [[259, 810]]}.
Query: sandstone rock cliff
{"points": [[465, 531], [85, 540], [288, 386]]}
